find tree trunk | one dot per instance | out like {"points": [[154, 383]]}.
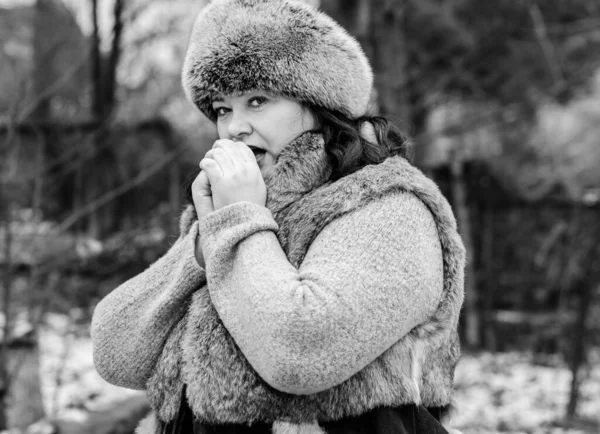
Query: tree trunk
{"points": [[459, 195], [578, 357], [96, 61], [36, 206], [390, 61], [113, 60], [6, 180], [42, 53], [26, 404], [487, 256], [6, 298], [581, 284], [354, 16]]}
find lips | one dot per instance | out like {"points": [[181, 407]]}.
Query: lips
{"points": [[259, 153]]}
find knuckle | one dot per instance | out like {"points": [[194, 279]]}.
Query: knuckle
{"points": [[221, 143]]}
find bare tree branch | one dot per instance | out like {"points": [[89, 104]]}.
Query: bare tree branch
{"points": [[111, 195], [546, 45], [52, 89]]}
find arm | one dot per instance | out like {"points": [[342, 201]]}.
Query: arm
{"points": [[131, 324], [367, 280]]}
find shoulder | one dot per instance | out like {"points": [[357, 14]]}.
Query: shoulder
{"points": [[392, 196], [393, 191], [395, 227], [397, 214], [403, 207], [397, 209], [395, 184]]}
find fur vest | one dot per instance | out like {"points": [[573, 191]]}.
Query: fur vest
{"points": [[222, 386]]}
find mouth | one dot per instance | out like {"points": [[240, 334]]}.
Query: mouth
{"points": [[259, 153]]}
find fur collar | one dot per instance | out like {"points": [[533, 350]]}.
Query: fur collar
{"points": [[222, 386]]}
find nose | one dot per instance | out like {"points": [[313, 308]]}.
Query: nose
{"points": [[239, 126]]}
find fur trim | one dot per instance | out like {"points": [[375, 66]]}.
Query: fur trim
{"points": [[148, 425], [282, 46], [292, 428], [288, 181], [419, 368], [164, 387]]}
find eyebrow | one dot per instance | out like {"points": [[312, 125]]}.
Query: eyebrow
{"points": [[218, 99]]}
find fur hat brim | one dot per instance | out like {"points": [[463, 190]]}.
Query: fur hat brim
{"points": [[281, 46]]}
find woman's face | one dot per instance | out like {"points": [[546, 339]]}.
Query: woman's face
{"points": [[265, 122]]}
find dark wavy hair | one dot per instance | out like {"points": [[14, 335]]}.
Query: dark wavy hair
{"points": [[347, 149]]}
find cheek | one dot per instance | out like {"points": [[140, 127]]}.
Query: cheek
{"points": [[221, 130], [308, 122]]}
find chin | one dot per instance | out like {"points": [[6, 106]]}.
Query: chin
{"points": [[264, 171], [265, 167]]}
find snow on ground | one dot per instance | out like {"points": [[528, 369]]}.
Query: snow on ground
{"points": [[71, 387], [506, 393], [495, 393]]}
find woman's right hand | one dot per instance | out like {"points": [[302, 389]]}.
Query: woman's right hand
{"points": [[198, 253], [202, 197]]}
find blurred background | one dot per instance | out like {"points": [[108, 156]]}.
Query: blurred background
{"points": [[502, 98]]}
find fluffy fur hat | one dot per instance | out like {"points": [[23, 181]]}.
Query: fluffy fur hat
{"points": [[283, 46]]}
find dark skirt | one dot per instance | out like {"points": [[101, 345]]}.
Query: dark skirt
{"points": [[406, 419]]}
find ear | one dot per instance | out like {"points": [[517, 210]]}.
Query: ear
{"points": [[367, 131]]}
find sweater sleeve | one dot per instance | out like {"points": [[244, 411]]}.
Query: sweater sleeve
{"points": [[131, 324], [368, 278]]}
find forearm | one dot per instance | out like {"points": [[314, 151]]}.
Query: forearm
{"points": [[309, 329], [131, 324]]}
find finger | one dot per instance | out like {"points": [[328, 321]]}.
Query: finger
{"points": [[213, 170], [239, 147], [201, 185], [238, 151], [201, 182], [223, 159], [248, 154]]}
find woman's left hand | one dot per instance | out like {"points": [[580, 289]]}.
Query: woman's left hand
{"points": [[233, 174]]}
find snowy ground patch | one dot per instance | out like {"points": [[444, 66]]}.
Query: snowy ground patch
{"points": [[507, 393]]}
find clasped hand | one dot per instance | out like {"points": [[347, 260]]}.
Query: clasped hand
{"points": [[229, 175]]}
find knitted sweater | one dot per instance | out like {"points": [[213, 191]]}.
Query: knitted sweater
{"points": [[310, 314]]}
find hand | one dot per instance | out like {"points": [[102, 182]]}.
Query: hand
{"points": [[199, 254], [233, 175], [202, 195]]}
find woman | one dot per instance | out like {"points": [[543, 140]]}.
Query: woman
{"points": [[318, 278]]}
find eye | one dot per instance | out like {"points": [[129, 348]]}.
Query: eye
{"points": [[221, 111], [257, 101]]}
